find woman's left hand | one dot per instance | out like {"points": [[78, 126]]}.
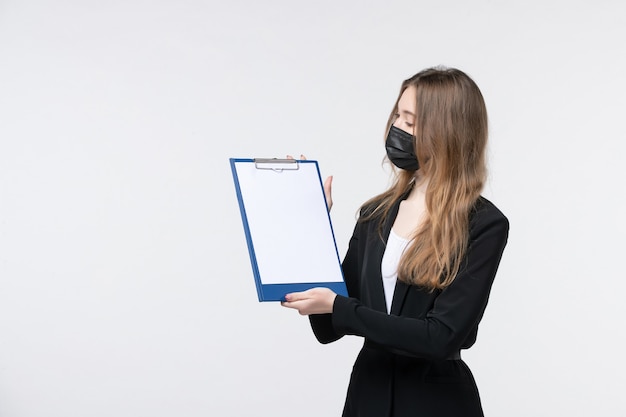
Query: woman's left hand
{"points": [[313, 301]]}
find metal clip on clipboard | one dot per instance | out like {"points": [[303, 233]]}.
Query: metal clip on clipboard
{"points": [[275, 164]]}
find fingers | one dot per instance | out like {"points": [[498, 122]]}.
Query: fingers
{"points": [[328, 185], [313, 301], [298, 301], [302, 157], [301, 306], [299, 296]]}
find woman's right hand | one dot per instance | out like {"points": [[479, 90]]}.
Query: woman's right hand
{"points": [[328, 186]]}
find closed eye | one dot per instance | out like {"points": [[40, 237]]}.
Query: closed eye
{"points": [[405, 117]]}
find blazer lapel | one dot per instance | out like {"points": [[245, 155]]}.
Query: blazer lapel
{"points": [[372, 281], [401, 289], [399, 295], [372, 261]]}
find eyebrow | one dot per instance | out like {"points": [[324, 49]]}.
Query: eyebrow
{"points": [[407, 112]]}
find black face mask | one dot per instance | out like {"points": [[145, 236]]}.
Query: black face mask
{"points": [[401, 150]]}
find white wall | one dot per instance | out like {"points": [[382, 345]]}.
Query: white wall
{"points": [[125, 287]]}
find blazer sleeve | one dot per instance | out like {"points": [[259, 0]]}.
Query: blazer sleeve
{"points": [[322, 324], [456, 310]]}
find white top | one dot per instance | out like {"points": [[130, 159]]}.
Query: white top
{"points": [[389, 266]]}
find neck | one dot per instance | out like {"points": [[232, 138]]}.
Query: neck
{"points": [[419, 187]]}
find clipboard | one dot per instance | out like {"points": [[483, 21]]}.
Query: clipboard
{"points": [[288, 230]]}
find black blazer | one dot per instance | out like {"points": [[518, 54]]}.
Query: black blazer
{"points": [[409, 362]]}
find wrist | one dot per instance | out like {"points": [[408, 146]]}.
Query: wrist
{"points": [[332, 299]]}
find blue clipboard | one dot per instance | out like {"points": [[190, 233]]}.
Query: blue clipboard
{"points": [[288, 230]]}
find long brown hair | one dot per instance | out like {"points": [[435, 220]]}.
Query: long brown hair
{"points": [[450, 142]]}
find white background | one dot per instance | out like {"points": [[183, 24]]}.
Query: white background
{"points": [[125, 284]]}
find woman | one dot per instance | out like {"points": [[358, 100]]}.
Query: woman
{"points": [[421, 261]]}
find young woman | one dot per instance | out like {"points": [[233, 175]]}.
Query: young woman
{"points": [[421, 261]]}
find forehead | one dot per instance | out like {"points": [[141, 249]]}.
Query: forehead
{"points": [[407, 100]]}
